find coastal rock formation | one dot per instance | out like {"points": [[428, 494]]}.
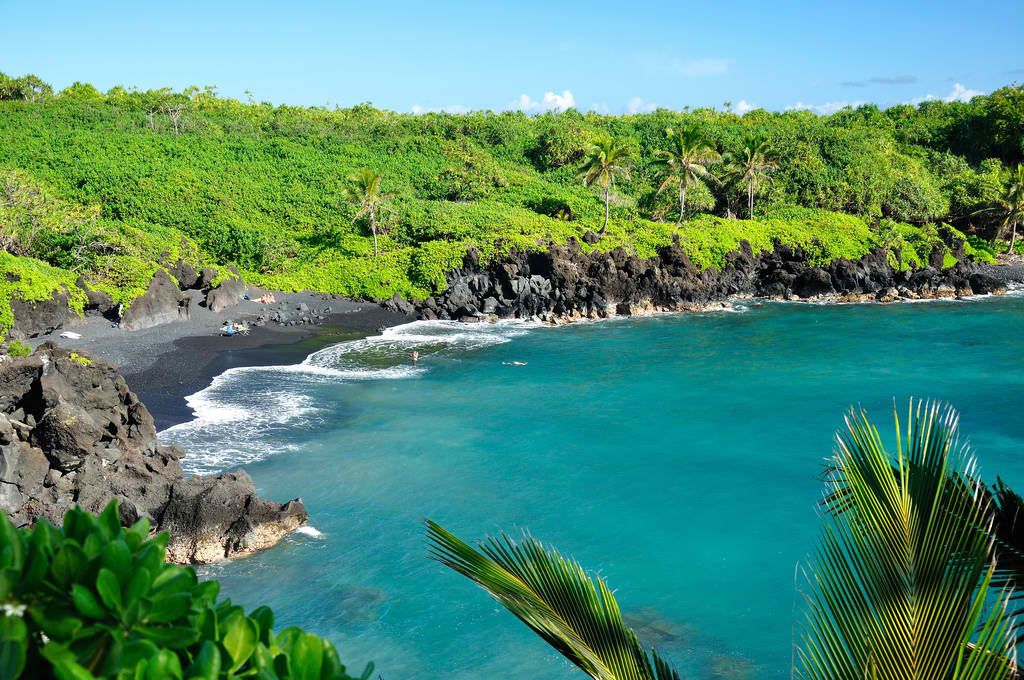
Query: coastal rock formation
{"points": [[565, 284], [32, 319], [228, 293], [161, 303], [72, 433]]}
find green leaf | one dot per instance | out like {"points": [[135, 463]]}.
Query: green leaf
{"points": [[109, 589], [239, 639], [11, 538], [69, 564], [134, 652], [169, 608], [38, 566], [175, 637], [137, 586], [110, 521], [151, 558], [13, 646], [69, 670], [307, 658], [164, 666], [86, 603], [9, 579], [55, 621], [206, 665], [118, 558]]}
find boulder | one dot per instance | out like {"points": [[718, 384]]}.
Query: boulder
{"points": [[32, 319], [813, 282], [985, 284], [72, 433], [161, 303], [98, 301], [228, 293], [216, 518]]}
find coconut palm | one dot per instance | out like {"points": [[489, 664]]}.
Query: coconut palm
{"points": [[606, 160], [1010, 207], [364, 192], [751, 166], [687, 160], [899, 585], [554, 596]]}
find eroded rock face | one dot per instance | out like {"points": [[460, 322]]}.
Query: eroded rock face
{"points": [[228, 293], [161, 303], [32, 319], [564, 284], [71, 432]]}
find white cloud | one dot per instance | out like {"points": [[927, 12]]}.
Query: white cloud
{"points": [[698, 68], [961, 94], [743, 107], [639, 105], [600, 107], [456, 108], [827, 108], [550, 102]]}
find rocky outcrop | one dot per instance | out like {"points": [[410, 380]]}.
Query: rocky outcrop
{"points": [[161, 303], [72, 433], [228, 293], [565, 284], [32, 319]]}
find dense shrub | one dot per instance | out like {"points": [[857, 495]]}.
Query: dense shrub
{"points": [[96, 600]]}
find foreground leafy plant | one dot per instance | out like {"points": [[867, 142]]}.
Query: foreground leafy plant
{"points": [[572, 612], [96, 600], [900, 586]]}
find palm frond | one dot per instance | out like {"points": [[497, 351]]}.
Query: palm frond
{"points": [[901, 584], [554, 596]]}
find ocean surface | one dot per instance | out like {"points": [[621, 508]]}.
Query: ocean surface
{"points": [[678, 457]]}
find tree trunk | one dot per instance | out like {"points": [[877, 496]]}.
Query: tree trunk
{"points": [[682, 201], [1013, 237], [607, 196], [373, 228], [750, 199]]}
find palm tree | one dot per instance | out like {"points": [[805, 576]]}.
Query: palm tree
{"points": [[902, 587], [686, 161], [556, 598], [751, 166], [606, 159], [1010, 207], [364, 192], [900, 584]]}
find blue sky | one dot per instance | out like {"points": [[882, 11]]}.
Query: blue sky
{"points": [[610, 56]]}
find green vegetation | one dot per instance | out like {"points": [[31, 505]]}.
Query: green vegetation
{"points": [[96, 600], [115, 185], [905, 582], [685, 163], [751, 166], [606, 160], [19, 349], [365, 194]]}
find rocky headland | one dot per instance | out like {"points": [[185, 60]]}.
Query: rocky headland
{"points": [[73, 433], [564, 284]]}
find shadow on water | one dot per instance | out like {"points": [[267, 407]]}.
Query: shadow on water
{"points": [[687, 645]]}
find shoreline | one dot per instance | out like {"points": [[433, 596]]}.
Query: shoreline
{"points": [[165, 364]]}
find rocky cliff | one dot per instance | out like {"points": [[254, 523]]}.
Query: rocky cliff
{"points": [[564, 284], [72, 433]]}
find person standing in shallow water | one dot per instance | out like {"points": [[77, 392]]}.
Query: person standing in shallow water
{"points": [[415, 357]]}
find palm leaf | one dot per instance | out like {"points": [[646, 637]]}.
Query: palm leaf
{"points": [[900, 584], [575, 614]]}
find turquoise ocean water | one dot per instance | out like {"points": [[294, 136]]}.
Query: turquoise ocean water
{"points": [[679, 457]]}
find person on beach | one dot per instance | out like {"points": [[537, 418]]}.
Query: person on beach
{"points": [[415, 357]]}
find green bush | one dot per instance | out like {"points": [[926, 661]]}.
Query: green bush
{"points": [[19, 349], [96, 600]]}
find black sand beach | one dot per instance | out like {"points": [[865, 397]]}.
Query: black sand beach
{"points": [[166, 363]]}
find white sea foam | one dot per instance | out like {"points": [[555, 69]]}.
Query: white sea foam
{"points": [[310, 531], [238, 419]]}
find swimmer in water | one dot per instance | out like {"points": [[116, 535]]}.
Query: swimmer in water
{"points": [[513, 363], [415, 357]]}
